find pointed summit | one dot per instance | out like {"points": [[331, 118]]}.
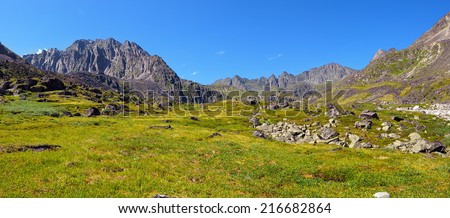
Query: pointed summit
{"points": [[382, 53], [439, 32]]}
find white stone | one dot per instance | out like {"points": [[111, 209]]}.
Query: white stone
{"points": [[381, 195]]}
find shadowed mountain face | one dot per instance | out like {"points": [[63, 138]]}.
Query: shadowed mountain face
{"points": [[125, 61], [8, 55], [418, 74], [13, 66], [319, 75]]}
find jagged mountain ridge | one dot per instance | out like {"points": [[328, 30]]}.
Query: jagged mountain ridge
{"points": [[127, 61], [285, 80]]}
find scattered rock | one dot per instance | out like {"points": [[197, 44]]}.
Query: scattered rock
{"points": [[421, 128], [337, 149], [251, 100], [214, 135], [67, 114], [381, 195], [367, 124], [111, 109], [333, 113], [366, 114], [5, 85], [160, 127], [92, 112], [327, 133], [354, 140], [167, 121], [390, 135], [264, 127], [417, 145], [35, 148], [255, 122], [414, 136], [363, 145], [160, 196], [397, 118], [385, 126], [259, 134], [194, 118], [315, 124]]}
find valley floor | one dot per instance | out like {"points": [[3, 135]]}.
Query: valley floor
{"points": [[133, 157]]}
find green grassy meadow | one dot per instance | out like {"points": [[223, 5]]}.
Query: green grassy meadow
{"points": [[117, 156]]}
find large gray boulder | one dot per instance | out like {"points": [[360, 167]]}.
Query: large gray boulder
{"points": [[327, 133], [415, 136], [354, 140], [366, 114]]}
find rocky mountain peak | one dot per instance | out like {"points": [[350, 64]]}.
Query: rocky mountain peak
{"points": [[331, 71], [109, 57], [439, 32], [382, 53]]}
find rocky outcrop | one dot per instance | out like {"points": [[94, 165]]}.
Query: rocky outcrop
{"points": [[417, 144], [292, 133], [92, 112], [110, 57], [440, 110], [382, 53]]}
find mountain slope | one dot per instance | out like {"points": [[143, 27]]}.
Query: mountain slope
{"points": [[417, 74], [124, 61], [13, 66], [438, 33]]}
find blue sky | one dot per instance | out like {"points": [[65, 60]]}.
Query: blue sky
{"points": [[204, 40]]}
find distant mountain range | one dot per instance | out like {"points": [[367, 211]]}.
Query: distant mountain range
{"points": [[285, 80], [417, 74]]}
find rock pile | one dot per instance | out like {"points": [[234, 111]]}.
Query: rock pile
{"points": [[292, 133], [417, 145], [439, 110]]}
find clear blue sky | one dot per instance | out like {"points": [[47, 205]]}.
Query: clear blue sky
{"points": [[204, 40]]}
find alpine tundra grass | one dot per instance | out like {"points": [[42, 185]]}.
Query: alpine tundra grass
{"points": [[117, 156]]}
